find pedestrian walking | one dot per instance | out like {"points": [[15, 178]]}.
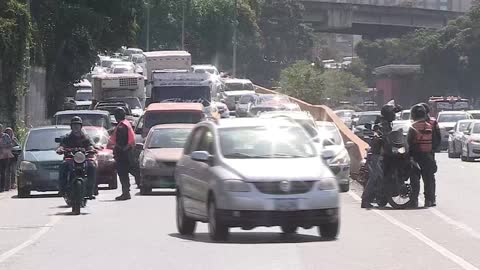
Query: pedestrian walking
{"points": [[123, 141], [5, 155], [12, 163]]}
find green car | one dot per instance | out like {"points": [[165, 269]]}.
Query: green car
{"points": [[39, 164]]}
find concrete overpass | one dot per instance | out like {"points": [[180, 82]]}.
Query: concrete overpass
{"points": [[372, 21]]}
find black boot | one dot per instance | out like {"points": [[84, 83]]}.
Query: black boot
{"points": [[123, 197], [428, 203], [366, 205]]}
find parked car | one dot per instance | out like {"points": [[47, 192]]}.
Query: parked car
{"points": [[455, 138], [39, 164], [471, 142], [446, 121], [345, 116], [234, 89], [254, 172], [162, 149], [94, 118], [339, 163], [106, 170]]}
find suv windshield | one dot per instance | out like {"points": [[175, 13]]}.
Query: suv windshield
{"points": [[238, 86], [168, 138], [462, 126], [44, 139], [265, 142], [476, 128], [448, 118], [83, 95]]}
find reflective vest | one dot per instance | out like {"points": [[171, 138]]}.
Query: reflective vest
{"points": [[423, 136], [131, 133]]}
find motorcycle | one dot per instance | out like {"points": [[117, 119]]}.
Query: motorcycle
{"points": [[75, 194], [396, 189]]}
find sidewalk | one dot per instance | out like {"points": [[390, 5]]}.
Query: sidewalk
{"points": [[7, 194]]}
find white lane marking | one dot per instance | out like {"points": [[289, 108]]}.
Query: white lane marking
{"points": [[455, 223], [34, 238], [429, 242]]}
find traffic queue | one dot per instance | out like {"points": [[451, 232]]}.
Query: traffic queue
{"points": [[214, 139]]}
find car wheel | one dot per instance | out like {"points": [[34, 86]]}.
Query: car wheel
{"points": [[185, 225], [23, 192], [329, 230], [344, 187], [144, 190], [289, 229], [216, 229]]}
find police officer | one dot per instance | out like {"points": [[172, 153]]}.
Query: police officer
{"points": [[420, 139], [77, 138], [437, 136], [123, 140]]}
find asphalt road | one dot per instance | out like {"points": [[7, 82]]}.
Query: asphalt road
{"points": [[38, 234]]}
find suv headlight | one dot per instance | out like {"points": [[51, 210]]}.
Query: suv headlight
{"points": [[327, 184], [149, 163], [236, 186], [341, 158], [27, 166]]}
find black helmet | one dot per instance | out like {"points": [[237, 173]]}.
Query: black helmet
{"points": [[76, 120], [426, 107], [388, 112], [418, 112], [119, 113]]}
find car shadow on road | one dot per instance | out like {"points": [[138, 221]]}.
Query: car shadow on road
{"points": [[157, 193], [254, 238], [37, 196]]}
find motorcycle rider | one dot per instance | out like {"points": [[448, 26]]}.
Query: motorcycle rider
{"points": [[77, 138], [123, 141], [379, 166], [421, 145]]}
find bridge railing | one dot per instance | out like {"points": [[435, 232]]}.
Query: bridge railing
{"points": [[324, 113]]}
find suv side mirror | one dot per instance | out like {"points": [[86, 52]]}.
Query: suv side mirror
{"points": [[139, 146], [466, 132], [368, 126], [328, 154], [202, 156]]}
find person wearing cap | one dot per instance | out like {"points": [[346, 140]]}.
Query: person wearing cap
{"points": [[123, 142], [77, 138]]}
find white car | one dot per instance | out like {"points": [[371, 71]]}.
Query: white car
{"points": [[346, 116], [205, 69], [234, 89], [339, 163], [446, 121], [471, 142]]}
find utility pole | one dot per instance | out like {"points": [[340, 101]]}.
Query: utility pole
{"points": [[148, 25], [235, 24], [183, 25]]}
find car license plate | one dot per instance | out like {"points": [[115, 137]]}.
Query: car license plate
{"points": [[54, 175], [286, 204]]}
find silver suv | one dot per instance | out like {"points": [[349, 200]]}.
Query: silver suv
{"points": [[254, 172]]}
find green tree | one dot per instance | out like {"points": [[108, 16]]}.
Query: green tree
{"points": [[304, 81], [15, 34], [71, 33], [338, 84]]}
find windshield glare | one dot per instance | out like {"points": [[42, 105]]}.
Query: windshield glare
{"points": [[449, 118], [266, 142], [98, 134], [329, 135], [96, 120], [44, 140], [168, 138]]}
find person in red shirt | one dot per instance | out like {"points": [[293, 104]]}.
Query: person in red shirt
{"points": [[123, 142]]}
